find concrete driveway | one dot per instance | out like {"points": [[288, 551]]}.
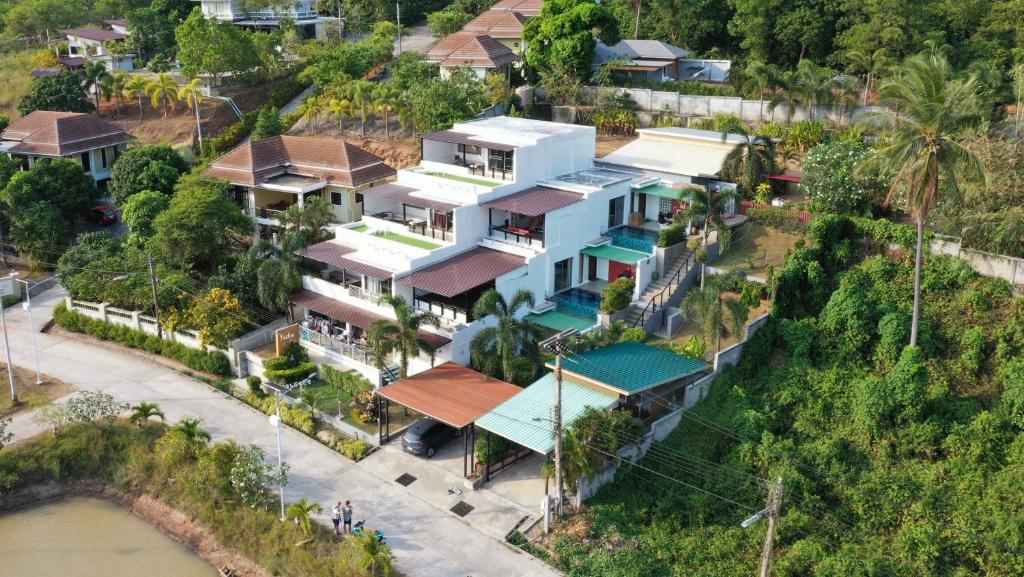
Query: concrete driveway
{"points": [[426, 540]]}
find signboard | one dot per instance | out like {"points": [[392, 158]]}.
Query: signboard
{"points": [[285, 336]]}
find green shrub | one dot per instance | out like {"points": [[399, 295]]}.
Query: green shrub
{"points": [[352, 383], [777, 218], [617, 295], [255, 386], [300, 418], [636, 334], [290, 375], [354, 449], [671, 235], [498, 447]]}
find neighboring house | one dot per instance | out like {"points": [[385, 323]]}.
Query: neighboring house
{"points": [[117, 25], [479, 52], [505, 26], [503, 203], [704, 70], [98, 44], [274, 173], [302, 13], [85, 138], [528, 8], [643, 60]]}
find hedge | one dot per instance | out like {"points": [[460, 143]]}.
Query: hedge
{"points": [[671, 235], [290, 375], [777, 218], [300, 418], [214, 362], [277, 97]]}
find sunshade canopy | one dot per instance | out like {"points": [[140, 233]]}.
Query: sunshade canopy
{"points": [[453, 137], [450, 393], [661, 190], [615, 253], [464, 271], [352, 314], [630, 367], [535, 201]]}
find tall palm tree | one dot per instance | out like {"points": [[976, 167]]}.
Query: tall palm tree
{"points": [[871, 64], [309, 219], [192, 429], [192, 94], [925, 110], [92, 74], [750, 162], [760, 74], [846, 96], [786, 91], [385, 101], [135, 87], [401, 336], [360, 93], [501, 345], [113, 86], [143, 412], [302, 512], [815, 85], [706, 207], [716, 315], [340, 108], [163, 89], [279, 275]]}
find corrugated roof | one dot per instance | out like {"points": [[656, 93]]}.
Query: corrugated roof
{"points": [[464, 271], [559, 321], [450, 393], [661, 190], [405, 195], [51, 133], [340, 256], [638, 50], [631, 367], [514, 419], [535, 201], [452, 137], [615, 253], [352, 314]]}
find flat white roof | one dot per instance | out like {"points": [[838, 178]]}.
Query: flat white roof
{"points": [[682, 151], [691, 134], [519, 131]]}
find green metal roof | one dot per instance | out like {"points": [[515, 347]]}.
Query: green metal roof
{"points": [[514, 419], [661, 190], [631, 367], [615, 253], [559, 321]]}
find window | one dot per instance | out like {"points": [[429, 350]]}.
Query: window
{"points": [[85, 162], [563, 274], [616, 211], [336, 198], [469, 149], [664, 205], [103, 158]]}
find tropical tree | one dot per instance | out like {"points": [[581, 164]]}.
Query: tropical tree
{"points": [[340, 108], [759, 75], [924, 112], [751, 161], [815, 85], [135, 87], [716, 315], [400, 336], [846, 89], [308, 220], [279, 276], [385, 101], [302, 512], [113, 86], [786, 91], [707, 206], [871, 65], [191, 428], [376, 557], [192, 94], [501, 346], [162, 89], [360, 94], [92, 75], [143, 412]]}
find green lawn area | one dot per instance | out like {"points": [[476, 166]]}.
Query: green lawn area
{"points": [[411, 241], [360, 228], [754, 247], [466, 179]]}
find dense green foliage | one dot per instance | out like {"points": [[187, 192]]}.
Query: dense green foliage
{"points": [[777, 218], [830, 181], [563, 35], [672, 234], [617, 295], [212, 361], [64, 91], [151, 167], [140, 210], [896, 460], [228, 138], [214, 47]]}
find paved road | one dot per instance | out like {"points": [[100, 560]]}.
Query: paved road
{"points": [[417, 38], [425, 540]]}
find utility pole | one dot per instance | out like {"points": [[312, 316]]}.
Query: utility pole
{"points": [[556, 344], [156, 303], [774, 502], [398, 21], [7, 349]]}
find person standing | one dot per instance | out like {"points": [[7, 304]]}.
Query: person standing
{"points": [[346, 515], [336, 517]]}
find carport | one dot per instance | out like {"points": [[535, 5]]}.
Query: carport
{"points": [[450, 393]]}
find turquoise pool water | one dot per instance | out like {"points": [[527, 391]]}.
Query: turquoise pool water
{"points": [[633, 238], [578, 302]]}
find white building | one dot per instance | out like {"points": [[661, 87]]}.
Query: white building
{"points": [[504, 203], [85, 138], [98, 44], [302, 14]]}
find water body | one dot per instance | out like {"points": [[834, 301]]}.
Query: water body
{"points": [[90, 537]]}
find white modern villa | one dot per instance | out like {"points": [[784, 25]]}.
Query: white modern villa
{"points": [[302, 13]]}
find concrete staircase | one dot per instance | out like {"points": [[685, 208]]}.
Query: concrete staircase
{"points": [[659, 291]]}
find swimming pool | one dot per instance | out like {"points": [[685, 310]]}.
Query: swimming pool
{"points": [[634, 238], [578, 302]]}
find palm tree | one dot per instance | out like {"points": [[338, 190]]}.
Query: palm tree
{"points": [[279, 275], [501, 345], [136, 87], [760, 74], [750, 162], [340, 108], [360, 94], [192, 94], [192, 429], [163, 89], [312, 108], [113, 86], [302, 512], [871, 65], [815, 85], [707, 207], [385, 100], [846, 96], [92, 74], [786, 91], [143, 412], [376, 559], [636, 29], [714, 314], [309, 219], [925, 109], [401, 336]]}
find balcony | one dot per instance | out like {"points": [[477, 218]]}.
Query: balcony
{"points": [[354, 351], [467, 155], [518, 236]]}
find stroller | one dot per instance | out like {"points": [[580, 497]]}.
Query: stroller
{"points": [[359, 529]]}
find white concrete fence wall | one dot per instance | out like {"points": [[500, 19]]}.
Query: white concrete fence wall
{"points": [[1008, 268]]}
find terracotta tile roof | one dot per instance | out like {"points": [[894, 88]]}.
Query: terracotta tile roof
{"points": [[333, 160], [450, 393], [497, 24], [340, 256], [525, 7], [464, 271], [535, 201], [97, 34], [469, 49], [50, 133], [404, 195], [352, 314]]}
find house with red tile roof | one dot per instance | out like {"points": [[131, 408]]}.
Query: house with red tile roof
{"points": [[77, 136], [480, 53]]}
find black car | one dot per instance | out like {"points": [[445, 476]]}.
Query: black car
{"points": [[425, 436]]}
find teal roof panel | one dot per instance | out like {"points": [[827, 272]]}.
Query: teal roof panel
{"points": [[559, 321], [514, 419], [632, 367], [661, 190], [615, 253]]}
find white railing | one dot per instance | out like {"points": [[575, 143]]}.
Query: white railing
{"points": [[337, 346], [451, 317]]}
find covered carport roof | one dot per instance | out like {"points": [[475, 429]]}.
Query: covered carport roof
{"points": [[450, 393]]}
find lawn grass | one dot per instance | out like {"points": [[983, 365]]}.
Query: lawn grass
{"points": [[360, 228], [466, 179], [30, 395], [751, 244], [325, 397], [16, 70], [396, 237]]}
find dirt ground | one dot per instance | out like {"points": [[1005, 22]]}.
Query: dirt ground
{"points": [[690, 328], [401, 150], [30, 394], [609, 144]]}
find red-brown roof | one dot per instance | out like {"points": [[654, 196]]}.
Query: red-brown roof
{"points": [[403, 194], [469, 49], [464, 271], [330, 159], [339, 255], [97, 34], [450, 393], [525, 7], [352, 314], [497, 24], [796, 178], [535, 201], [51, 133]]}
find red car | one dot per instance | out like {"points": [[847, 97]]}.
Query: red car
{"points": [[102, 214]]}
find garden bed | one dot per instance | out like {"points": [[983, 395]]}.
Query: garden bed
{"points": [[754, 247]]}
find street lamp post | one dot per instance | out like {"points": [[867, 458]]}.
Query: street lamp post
{"points": [[7, 349], [27, 305], [275, 421]]}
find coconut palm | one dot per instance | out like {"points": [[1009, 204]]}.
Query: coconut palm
{"points": [[143, 412], [502, 345], [786, 91], [846, 89], [360, 94], [707, 206], [192, 429], [302, 512], [113, 86], [715, 314], [760, 74], [278, 276], [92, 74], [135, 87], [815, 85], [751, 161], [400, 336], [192, 94], [309, 219], [871, 64], [376, 557], [385, 101], [162, 89], [925, 110]]}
